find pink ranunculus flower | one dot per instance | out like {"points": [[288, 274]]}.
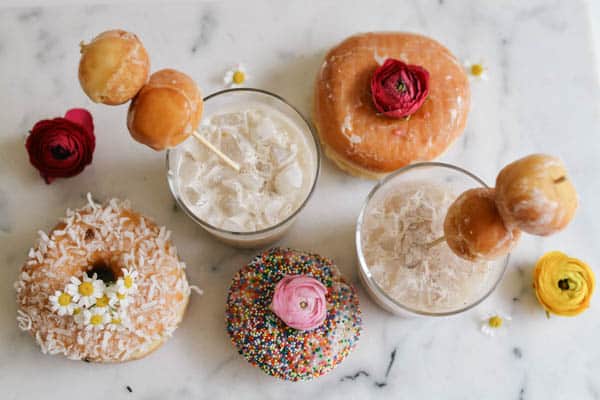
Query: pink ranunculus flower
{"points": [[299, 300], [398, 89]]}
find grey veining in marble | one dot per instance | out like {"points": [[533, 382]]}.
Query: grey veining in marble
{"points": [[542, 95]]}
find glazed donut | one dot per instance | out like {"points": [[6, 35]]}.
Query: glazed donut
{"points": [[142, 285], [369, 145], [280, 348]]}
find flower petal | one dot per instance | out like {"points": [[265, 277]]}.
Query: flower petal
{"points": [[81, 117]]}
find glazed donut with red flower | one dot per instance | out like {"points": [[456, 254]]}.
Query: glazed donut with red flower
{"points": [[385, 100], [105, 285]]}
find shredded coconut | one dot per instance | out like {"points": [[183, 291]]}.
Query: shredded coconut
{"points": [[196, 290], [23, 320]]}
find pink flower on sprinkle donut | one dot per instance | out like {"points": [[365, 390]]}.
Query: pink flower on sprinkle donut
{"points": [[299, 301]]}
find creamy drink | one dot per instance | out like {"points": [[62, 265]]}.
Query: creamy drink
{"points": [[278, 162], [405, 264]]}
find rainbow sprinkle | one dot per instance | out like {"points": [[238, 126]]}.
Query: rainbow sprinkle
{"points": [[266, 342]]}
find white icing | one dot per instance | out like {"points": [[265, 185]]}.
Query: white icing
{"points": [[347, 125], [346, 129], [379, 59], [453, 115], [355, 139], [277, 169]]}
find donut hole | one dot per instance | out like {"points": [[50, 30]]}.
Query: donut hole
{"points": [[89, 234], [107, 272]]}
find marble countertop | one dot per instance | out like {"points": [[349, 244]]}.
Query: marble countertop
{"points": [[542, 96]]}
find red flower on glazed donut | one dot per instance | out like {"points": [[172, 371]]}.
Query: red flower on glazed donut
{"points": [[398, 89], [62, 147]]}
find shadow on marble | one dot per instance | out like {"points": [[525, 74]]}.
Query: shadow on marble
{"points": [[516, 287], [15, 161]]}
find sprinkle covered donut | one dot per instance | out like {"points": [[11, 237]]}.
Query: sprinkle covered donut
{"points": [[104, 285], [292, 314]]}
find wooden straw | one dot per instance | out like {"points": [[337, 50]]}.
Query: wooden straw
{"points": [[218, 152], [435, 242]]}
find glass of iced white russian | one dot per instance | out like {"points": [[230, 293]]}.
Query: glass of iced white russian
{"points": [[279, 157], [403, 266]]}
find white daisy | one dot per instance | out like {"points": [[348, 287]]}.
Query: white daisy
{"points": [[236, 77], [79, 316], [104, 302], [87, 291], [494, 323], [62, 303], [118, 320], [126, 284], [476, 70], [95, 318], [117, 298]]}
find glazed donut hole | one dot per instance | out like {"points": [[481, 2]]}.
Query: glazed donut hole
{"points": [[474, 229], [166, 110], [113, 67], [535, 194]]}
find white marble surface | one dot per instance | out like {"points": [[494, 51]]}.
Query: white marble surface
{"points": [[542, 95]]}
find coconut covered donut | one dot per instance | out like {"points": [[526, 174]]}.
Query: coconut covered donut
{"points": [[292, 314], [104, 285], [356, 131]]}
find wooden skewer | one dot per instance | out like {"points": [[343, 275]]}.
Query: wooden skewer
{"points": [[218, 152], [435, 242]]}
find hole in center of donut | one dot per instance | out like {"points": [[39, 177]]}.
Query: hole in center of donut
{"points": [[104, 272]]}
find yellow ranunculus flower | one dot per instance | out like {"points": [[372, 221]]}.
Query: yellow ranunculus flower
{"points": [[563, 285]]}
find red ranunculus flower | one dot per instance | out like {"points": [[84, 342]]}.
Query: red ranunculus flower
{"points": [[399, 89], [62, 147]]}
